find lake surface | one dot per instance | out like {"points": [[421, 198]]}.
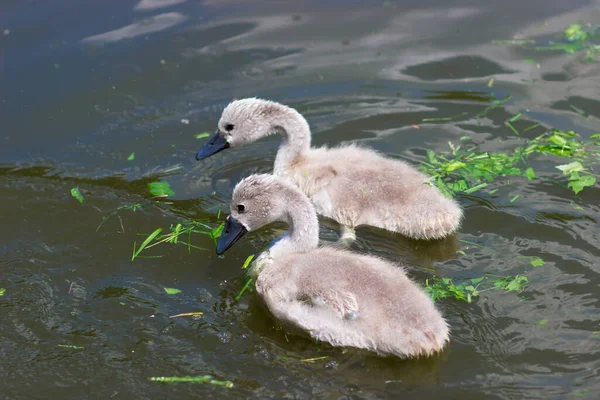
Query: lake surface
{"points": [[83, 85]]}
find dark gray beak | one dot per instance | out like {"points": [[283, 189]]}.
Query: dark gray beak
{"points": [[215, 144], [232, 232]]}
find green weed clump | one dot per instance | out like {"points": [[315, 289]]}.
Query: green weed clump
{"points": [[575, 38], [568, 144], [466, 170], [441, 288]]}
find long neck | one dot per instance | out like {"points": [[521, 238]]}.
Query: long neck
{"points": [[303, 225], [302, 235], [296, 139]]}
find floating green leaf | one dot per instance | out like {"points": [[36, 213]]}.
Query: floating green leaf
{"points": [[201, 135], [160, 189], [192, 379], [2, 291], [529, 173], [131, 157], [542, 322], [454, 165], [515, 198], [537, 262], [575, 33], [575, 166], [578, 183], [77, 194], [172, 290]]}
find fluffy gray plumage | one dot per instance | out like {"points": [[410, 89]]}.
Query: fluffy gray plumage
{"points": [[351, 185], [336, 296]]}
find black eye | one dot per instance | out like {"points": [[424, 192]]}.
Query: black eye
{"points": [[229, 127], [241, 208]]}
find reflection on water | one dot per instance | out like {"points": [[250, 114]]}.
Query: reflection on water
{"points": [[73, 112], [148, 5], [149, 25]]}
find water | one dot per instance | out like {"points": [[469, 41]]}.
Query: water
{"points": [[85, 84]]}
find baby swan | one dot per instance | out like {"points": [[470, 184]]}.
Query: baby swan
{"points": [[351, 185], [336, 296]]}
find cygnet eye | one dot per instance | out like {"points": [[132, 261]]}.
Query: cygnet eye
{"points": [[229, 127], [241, 208]]}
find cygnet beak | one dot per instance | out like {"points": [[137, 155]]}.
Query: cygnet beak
{"points": [[215, 144], [232, 232]]}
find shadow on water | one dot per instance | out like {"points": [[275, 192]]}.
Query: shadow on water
{"points": [[109, 99]]}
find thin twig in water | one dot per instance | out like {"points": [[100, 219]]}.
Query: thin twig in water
{"points": [[310, 360], [189, 314]]}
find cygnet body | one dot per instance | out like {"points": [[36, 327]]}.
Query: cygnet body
{"points": [[349, 184], [334, 295]]}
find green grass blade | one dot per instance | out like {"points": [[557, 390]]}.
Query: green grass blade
{"points": [[239, 296], [248, 261], [145, 243], [475, 188]]}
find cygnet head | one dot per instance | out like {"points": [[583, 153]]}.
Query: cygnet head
{"points": [[247, 120], [257, 201]]}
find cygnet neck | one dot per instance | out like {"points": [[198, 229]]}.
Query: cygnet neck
{"points": [[303, 224], [294, 129]]}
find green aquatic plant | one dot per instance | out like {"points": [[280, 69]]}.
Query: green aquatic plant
{"points": [[246, 285], [559, 143], [172, 291], [463, 169], [201, 135], [131, 207], [568, 144], [160, 189], [77, 195], [174, 236], [466, 170], [575, 38], [579, 178], [441, 288]]}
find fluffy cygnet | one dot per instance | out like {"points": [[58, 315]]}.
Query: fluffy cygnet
{"points": [[336, 296], [349, 184]]}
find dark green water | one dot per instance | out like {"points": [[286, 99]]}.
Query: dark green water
{"points": [[85, 84]]}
